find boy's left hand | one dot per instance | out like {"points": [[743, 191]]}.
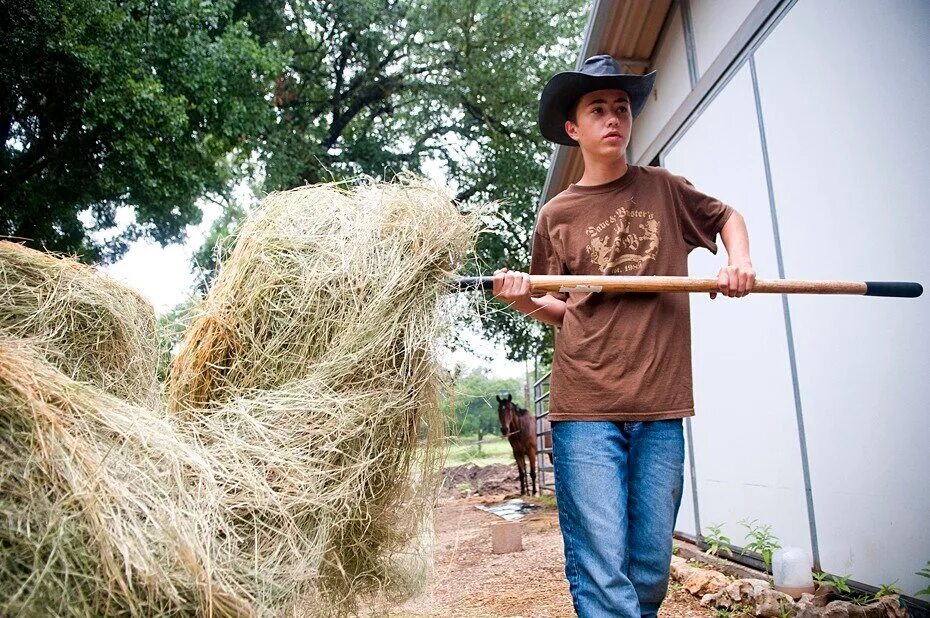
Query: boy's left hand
{"points": [[735, 280]]}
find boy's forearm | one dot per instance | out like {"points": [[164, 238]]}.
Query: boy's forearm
{"points": [[735, 238], [547, 309]]}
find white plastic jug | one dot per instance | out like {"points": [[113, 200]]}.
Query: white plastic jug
{"points": [[791, 569]]}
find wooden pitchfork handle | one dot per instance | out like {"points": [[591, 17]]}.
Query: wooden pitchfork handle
{"points": [[611, 283]]}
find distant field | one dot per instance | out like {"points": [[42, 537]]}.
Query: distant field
{"points": [[465, 449]]}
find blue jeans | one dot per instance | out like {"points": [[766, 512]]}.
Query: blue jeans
{"points": [[618, 487]]}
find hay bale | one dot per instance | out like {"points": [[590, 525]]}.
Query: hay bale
{"points": [[324, 279], [294, 464], [310, 376], [90, 326]]}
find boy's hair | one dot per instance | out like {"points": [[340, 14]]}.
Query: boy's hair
{"points": [[573, 111]]}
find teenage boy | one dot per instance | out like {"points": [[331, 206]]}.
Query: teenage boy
{"points": [[621, 372]]}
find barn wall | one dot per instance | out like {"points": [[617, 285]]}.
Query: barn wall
{"points": [[746, 449], [671, 87], [840, 90], [848, 142], [713, 23]]}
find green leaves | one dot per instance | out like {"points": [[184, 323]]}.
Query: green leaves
{"points": [[717, 541], [761, 540], [440, 86], [924, 572], [153, 105], [472, 407], [137, 104], [838, 582]]}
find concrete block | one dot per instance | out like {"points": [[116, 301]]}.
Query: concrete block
{"points": [[506, 537]]}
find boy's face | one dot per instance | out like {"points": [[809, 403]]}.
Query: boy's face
{"points": [[603, 123]]}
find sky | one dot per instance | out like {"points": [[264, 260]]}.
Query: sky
{"points": [[163, 275]]}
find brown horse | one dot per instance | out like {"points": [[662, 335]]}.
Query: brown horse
{"points": [[519, 427]]}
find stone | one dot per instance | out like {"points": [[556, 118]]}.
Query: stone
{"points": [[680, 570], [705, 581], [892, 606], [506, 537], [774, 604], [887, 607], [740, 591]]}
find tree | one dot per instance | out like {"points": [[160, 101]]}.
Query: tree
{"points": [[379, 86], [472, 407], [123, 103]]}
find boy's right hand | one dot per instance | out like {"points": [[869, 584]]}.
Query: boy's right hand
{"points": [[512, 287]]}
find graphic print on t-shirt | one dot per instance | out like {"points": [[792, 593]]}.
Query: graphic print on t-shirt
{"points": [[623, 242]]}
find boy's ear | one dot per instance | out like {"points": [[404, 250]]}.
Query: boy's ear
{"points": [[572, 129]]}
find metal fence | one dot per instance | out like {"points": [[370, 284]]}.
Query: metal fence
{"points": [[543, 429]]}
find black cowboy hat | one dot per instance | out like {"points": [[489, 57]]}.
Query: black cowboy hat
{"points": [[597, 73]]}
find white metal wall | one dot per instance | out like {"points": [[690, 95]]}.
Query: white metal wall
{"points": [[746, 452], [713, 23], [848, 142], [671, 87], [842, 88]]}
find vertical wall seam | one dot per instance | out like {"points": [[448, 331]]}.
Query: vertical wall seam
{"points": [[691, 54], [792, 358], [694, 490], [690, 47]]}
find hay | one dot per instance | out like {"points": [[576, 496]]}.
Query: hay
{"points": [[295, 461], [94, 329], [314, 355], [98, 512]]}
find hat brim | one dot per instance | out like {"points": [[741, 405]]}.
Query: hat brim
{"points": [[564, 89]]}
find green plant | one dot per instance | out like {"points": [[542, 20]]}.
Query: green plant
{"points": [[740, 609], [464, 488], [862, 599], [784, 609], [924, 572], [761, 540], [717, 541], [825, 579], [887, 589], [473, 451]]}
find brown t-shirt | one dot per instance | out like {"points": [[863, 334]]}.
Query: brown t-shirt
{"points": [[624, 356]]}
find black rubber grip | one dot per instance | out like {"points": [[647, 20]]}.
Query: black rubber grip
{"points": [[898, 289], [471, 284]]}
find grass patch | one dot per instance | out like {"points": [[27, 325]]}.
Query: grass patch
{"points": [[546, 500], [465, 449]]}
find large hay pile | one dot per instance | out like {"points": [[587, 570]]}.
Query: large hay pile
{"points": [[296, 458]]}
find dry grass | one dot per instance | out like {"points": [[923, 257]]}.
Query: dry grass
{"points": [[92, 328], [296, 459]]}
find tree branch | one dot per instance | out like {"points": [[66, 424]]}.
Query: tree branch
{"points": [[483, 184], [377, 91]]}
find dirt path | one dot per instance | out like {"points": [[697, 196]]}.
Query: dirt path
{"points": [[471, 581]]}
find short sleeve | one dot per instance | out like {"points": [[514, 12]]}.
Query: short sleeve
{"points": [[701, 216], [545, 259]]}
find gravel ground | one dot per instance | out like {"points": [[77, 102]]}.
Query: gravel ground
{"points": [[471, 581]]}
